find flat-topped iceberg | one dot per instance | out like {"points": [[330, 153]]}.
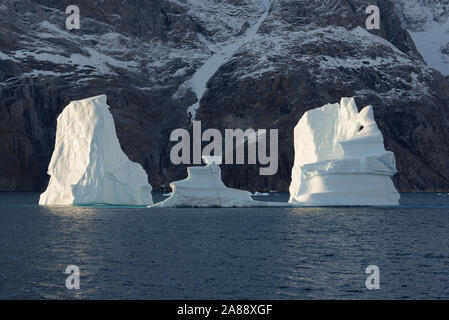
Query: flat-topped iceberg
{"points": [[340, 159], [88, 165], [203, 187]]}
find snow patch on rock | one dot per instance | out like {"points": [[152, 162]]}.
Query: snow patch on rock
{"points": [[221, 54], [428, 24]]}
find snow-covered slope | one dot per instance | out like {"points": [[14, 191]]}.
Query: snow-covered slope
{"points": [[428, 24], [221, 53]]}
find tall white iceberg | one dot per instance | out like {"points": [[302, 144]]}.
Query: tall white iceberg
{"points": [[340, 159], [203, 187], [88, 165]]}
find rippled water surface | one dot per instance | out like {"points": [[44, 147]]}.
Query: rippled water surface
{"points": [[258, 253]]}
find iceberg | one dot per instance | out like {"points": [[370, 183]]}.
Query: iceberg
{"points": [[88, 166], [203, 188], [340, 159], [261, 194]]}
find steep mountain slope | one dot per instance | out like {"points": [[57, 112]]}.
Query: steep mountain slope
{"points": [[301, 62], [252, 63], [428, 24], [137, 54]]}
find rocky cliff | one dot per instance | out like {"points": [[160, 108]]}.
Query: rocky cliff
{"points": [[428, 24], [276, 60]]}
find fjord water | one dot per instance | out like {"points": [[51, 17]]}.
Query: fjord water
{"points": [[255, 253]]}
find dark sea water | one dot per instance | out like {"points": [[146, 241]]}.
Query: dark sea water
{"points": [[258, 253]]}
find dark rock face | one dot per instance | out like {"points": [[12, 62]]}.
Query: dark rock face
{"points": [[407, 115], [141, 53], [34, 90]]}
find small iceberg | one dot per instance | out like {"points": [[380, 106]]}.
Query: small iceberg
{"points": [[88, 166], [203, 188], [340, 159], [260, 194]]}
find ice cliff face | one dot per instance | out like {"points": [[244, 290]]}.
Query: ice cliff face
{"points": [[269, 62], [88, 165], [337, 163]]}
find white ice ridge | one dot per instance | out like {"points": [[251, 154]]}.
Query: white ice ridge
{"points": [[221, 55], [88, 165], [204, 188], [340, 159]]}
